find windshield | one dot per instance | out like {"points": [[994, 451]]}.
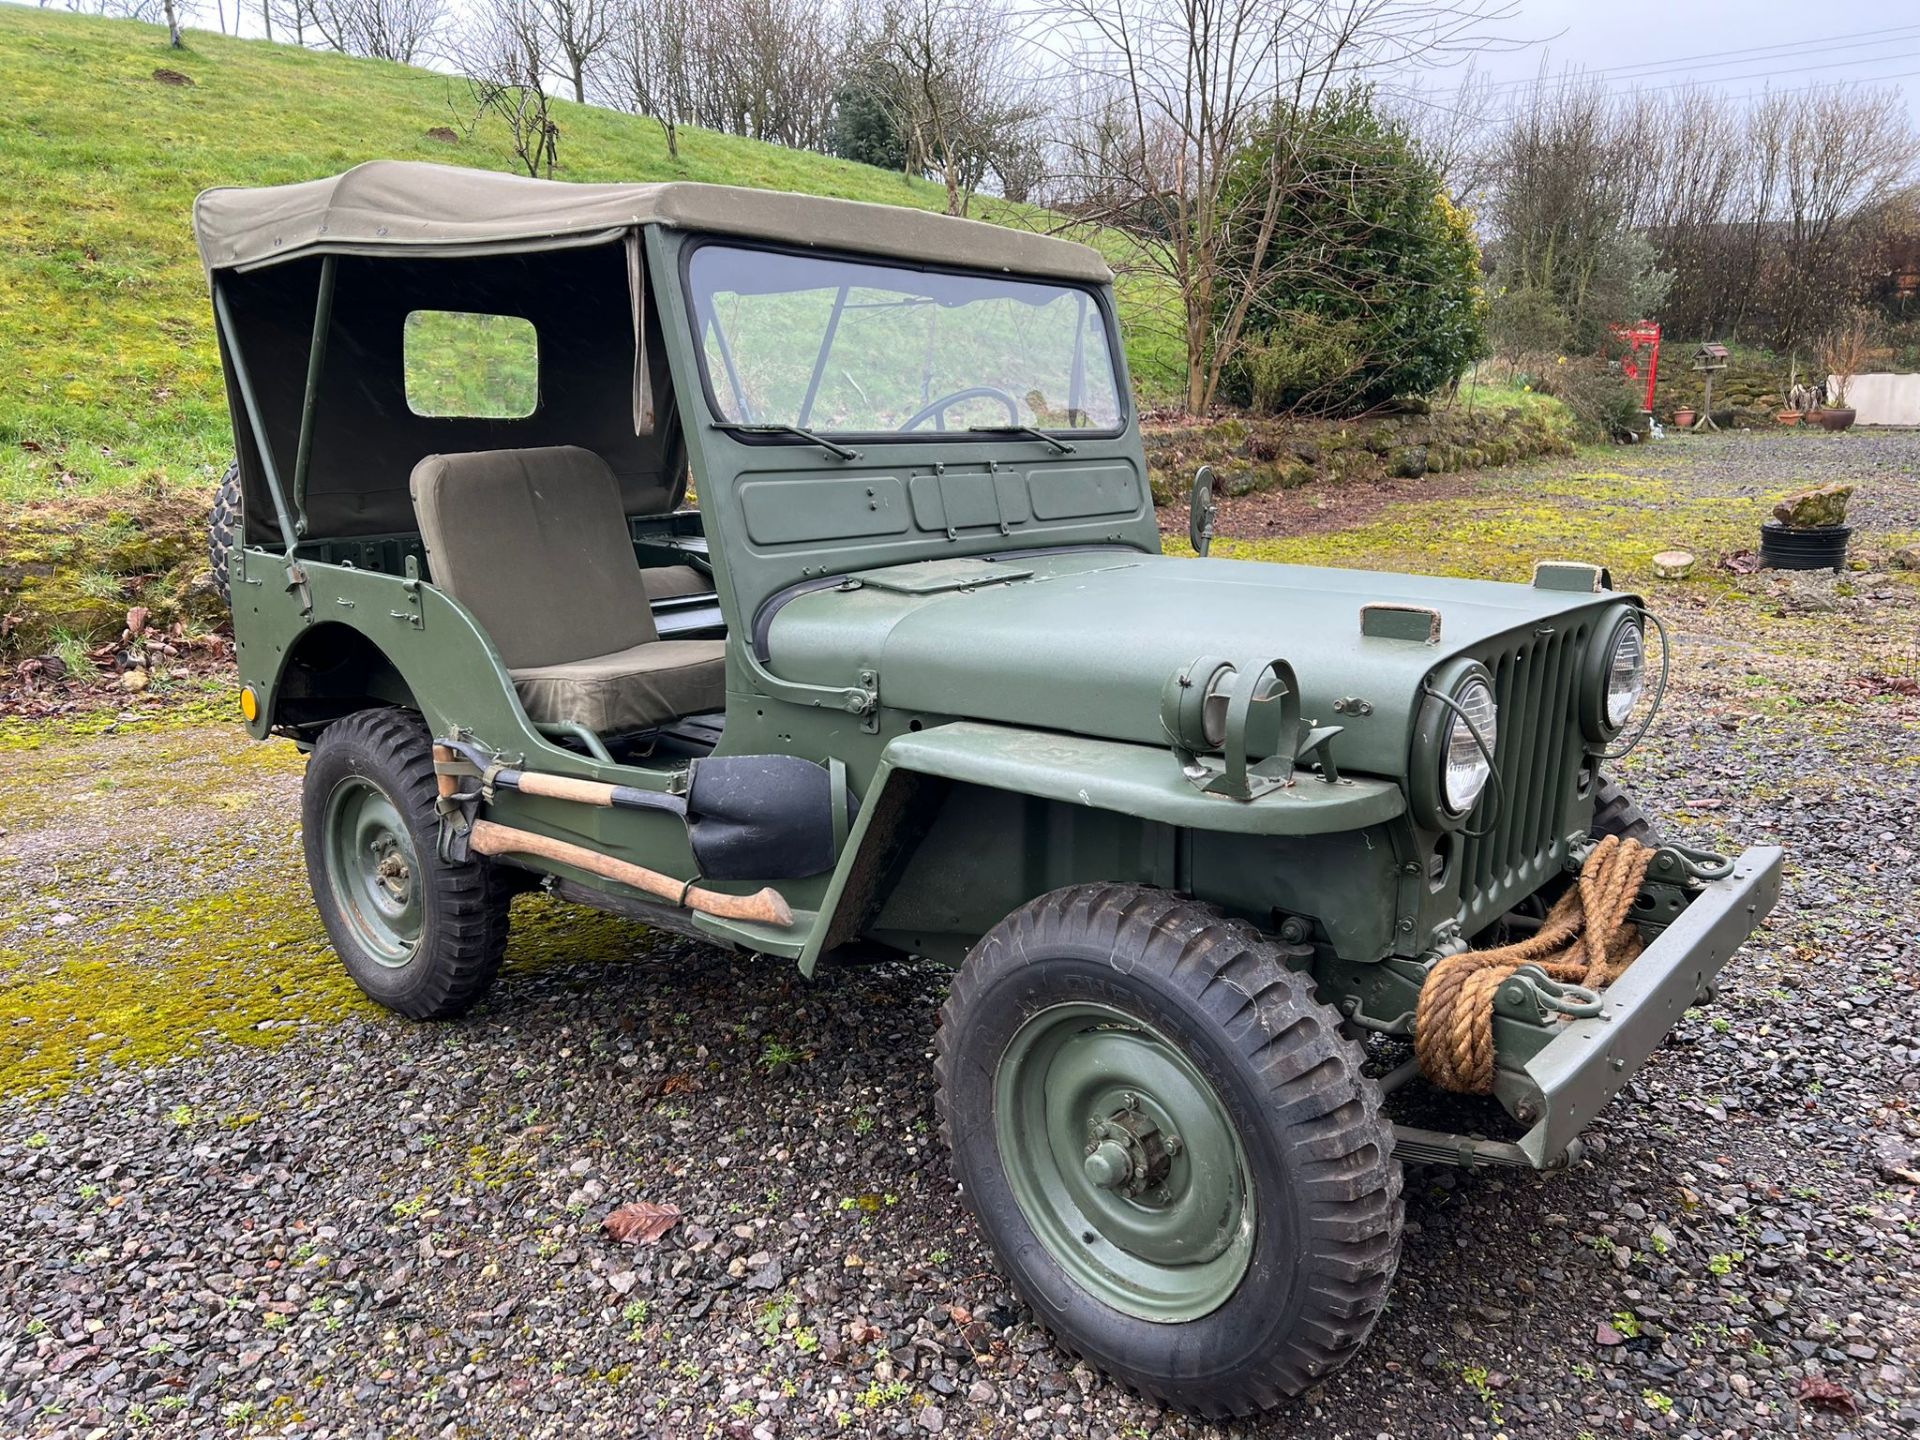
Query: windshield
{"points": [[857, 348]]}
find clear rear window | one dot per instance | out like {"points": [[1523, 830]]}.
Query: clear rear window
{"points": [[474, 366]]}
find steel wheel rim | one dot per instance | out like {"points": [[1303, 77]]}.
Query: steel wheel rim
{"points": [[373, 870], [1082, 1091]]}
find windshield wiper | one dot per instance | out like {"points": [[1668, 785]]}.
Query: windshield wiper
{"points": [[1059, 445], [740, 427]]}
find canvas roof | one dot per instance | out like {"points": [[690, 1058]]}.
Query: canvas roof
{"points": [[408, 207]]}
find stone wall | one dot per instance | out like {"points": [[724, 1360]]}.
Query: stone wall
{"points": [[1746, 395], [1250, 454]]}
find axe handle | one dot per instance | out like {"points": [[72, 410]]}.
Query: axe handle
{"points": [[447, 785], [765, 907]]}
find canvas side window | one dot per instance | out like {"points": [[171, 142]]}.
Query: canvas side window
{"points": [[476, 366]]}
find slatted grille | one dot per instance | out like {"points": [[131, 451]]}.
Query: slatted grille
{"points": [[1539, 753]]}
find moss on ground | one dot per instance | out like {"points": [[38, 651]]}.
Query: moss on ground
{"points": [[244, 966], [216, 939], [1612, 517], [249, 966]]}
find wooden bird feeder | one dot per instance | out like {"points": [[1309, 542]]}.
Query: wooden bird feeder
{"points": [[1708, 359]]}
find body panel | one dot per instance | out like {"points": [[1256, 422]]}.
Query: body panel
{"points": [[1040, 651]]}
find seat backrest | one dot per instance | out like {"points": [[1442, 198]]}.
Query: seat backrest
{"points": [[535, 544]]}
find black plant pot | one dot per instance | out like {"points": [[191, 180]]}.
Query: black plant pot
{"points": [[1822, 547]]}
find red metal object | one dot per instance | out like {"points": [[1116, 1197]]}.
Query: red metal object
{"points": [[1643, 338]]}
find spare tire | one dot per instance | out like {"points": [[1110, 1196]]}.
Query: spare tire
{"points": [[222, 527]]}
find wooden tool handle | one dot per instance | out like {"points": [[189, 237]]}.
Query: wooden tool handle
{"points": [[564, 787], [447, 784], [765, 907]]}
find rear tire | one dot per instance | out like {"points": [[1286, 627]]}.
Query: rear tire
{"points": [[420, 935], [223, 525], [1615, 813], [1240, 1264]]}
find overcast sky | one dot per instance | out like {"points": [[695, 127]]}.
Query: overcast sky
{"points": [[1738, 46]]}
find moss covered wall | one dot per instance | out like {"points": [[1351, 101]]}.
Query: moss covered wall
{"points": [[74, 568], [1251, 455]]}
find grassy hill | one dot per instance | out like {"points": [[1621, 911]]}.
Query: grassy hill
{"points": [[108, 376]]}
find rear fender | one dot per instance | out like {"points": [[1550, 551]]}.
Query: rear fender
{"points": [[413, 644]]}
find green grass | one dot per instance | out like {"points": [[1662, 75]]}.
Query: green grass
{"points": [[108, 375], [1483, 390]]}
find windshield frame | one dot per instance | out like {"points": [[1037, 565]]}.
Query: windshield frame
{"points": [[1101, 295]]}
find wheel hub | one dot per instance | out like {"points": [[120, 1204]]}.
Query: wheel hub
{"points": [[1127, 1151], [391, 868]]}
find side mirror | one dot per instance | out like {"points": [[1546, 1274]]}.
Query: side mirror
{"points": [[1200, 511]]}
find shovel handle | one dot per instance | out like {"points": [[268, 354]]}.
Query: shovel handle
{"points": [[764, 907]]}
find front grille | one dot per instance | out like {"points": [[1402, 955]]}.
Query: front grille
{"points": [[1539, 752]]}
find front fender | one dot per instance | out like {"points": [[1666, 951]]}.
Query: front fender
{"points": [[1127, 779]]}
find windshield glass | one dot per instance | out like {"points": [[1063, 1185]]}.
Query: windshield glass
{"points": [[857, 348]]}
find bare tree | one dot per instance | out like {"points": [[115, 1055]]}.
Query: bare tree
{"points": [[767, 69], [1454, 128], [654, 64], [578, 32], [1765, 216], [502, 54], [404, 30], [1180, 86], [957, 91]]}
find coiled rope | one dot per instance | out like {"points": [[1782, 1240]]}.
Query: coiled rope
{"points": [[1585, 940]]}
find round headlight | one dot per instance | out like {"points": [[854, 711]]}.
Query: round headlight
{"points": [[1626, 674], [1213, 709], [1464, 769]]}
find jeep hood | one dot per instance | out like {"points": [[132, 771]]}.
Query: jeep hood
{"points": [[1085, 641]]}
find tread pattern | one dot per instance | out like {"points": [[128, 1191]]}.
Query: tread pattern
{"points": [[1337, 1148], [222, 526], [1615, 813], [467, 908]]}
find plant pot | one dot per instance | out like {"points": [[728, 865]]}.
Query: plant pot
{"points": [[1790, 417], [1834, 419], [1820, 547], [1684, 417]]}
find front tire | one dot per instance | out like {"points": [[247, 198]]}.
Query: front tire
{"points": [[422, 936], [1615, 812], [1170, 1147]]}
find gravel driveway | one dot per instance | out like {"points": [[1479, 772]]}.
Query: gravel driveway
{"points": [[236, 1198]]}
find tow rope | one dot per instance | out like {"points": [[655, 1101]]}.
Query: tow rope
{"points": [[1587, 939]]}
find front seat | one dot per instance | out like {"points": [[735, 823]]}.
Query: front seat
{"points": [[535, 544]]}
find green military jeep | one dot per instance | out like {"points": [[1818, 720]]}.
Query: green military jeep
{"points": [[916, 678]]}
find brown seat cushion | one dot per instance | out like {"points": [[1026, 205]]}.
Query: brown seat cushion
{"points": [[633, 689], [535, 544], [664, 582]]}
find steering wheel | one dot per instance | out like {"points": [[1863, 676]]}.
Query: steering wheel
{"points": [[938, 409]]}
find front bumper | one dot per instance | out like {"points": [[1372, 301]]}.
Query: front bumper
{"points": [[1587, 1062]]}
